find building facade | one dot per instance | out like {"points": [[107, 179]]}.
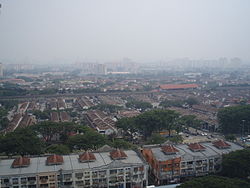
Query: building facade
{"points": [[114, 169], [172, 163], [1, 70]]}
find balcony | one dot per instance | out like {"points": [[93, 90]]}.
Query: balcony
{"points": [[43, 180]]}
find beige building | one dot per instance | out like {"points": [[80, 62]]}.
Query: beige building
{"points": [[107, 169]]}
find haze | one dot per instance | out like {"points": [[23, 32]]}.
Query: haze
{"points": [[108, 30]]}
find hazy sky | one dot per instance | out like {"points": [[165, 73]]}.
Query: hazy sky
{"points": [[108, 30]]}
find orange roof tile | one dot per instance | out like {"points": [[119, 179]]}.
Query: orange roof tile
{"points": [[221, 144], [118, 154], [178, 86], [87, 157], [54, 160], [21, 162], [196, 147], [169, 149]]}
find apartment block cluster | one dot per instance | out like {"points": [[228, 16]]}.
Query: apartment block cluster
{"points": [[104, 168], [101, 122], [174, 163], [115, 168]]}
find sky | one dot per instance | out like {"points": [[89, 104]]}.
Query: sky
{"points": [[41, 31]]}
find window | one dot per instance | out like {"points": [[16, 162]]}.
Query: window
{"points": [[78, 175], [113, 171]]}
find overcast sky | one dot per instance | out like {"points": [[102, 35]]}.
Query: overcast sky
{"points": [[109, 30]]}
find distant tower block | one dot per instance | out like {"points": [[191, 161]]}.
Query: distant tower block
{"points": [[1, 70]]}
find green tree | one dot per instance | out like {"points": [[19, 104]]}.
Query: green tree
{"points": [[191, 101], [21, 142], [41, 115], [156, 139], [150, 122], [230, 137], [236, 164], [232, 119], [8, 104], [89, 140], [139, 105], [59, 149], [48, 130], [215, 182], [190, 121], [123, 144], [171, 103]]}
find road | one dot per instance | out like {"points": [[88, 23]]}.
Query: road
{"points": [[30, 97]]}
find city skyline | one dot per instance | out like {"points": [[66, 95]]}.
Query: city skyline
{"points": [[111, 30]]}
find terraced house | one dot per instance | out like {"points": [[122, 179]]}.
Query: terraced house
{"points": [[172, 163], [113, 169]]}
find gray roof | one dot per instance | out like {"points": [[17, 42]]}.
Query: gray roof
{"points": [[38, 164], [187, 155]]}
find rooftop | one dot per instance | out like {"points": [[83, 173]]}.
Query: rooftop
{"points": [[70, 162], [186, 154]]}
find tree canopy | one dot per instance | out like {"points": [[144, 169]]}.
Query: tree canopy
{"points": [[232, 119], [139, 105], [171, 103], [90, 140], [58, 149], [151, 121], [236, 164], [22, 142], [215, 182]]}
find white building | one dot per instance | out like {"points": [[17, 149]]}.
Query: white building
{"points": [[116, 169], [1, 70]]}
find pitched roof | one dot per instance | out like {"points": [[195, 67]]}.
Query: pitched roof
{"points": [[118, 154], [54, 160], [196, 147], [221, 144], [178, 86], [169, 149], [105, 148], [21, 162], [87, 157]]}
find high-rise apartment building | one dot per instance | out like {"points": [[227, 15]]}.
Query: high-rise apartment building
{"points": [[1, 70]]}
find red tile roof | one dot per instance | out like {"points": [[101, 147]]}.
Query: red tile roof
{"points": [[54, 160], [87, 157], [118, 154], [169, 149], [221, 144], [178, 86], [21, 162], [196, 147]]}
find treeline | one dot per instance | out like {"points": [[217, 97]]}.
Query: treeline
{"points": [[179, 103], [139, 105], [59, 138], [234, 120], [155, 121]]}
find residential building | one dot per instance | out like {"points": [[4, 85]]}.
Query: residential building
{"points": [[172, 163], [113, 169], [1, 70], [101, 122], [178, 86]]}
